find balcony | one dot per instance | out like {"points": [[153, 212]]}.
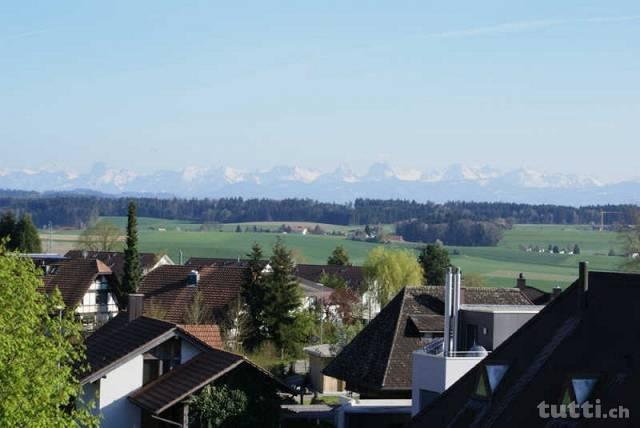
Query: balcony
{"points": [[434, 373]]}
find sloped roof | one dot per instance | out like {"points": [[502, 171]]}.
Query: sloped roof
{"points": [[379, 357], [594, 332], [120, 340], [352, 275], [114, 259], [166, 289], [184, 380], [73, 277], [537, 296], [207, 333]]}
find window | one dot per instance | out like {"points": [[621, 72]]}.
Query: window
{"points": [[490, 377], [578, 389], [102, 297], [471, 336], [150, 371]]}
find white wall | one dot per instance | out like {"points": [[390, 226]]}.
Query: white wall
{"points": [[117, 411], [436, 373]]}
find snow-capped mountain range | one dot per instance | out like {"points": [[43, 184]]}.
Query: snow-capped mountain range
{"points": [[456, 182]]}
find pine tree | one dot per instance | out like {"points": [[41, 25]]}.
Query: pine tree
{"points": [[28, 239], [253, 295], [283, 299], [132, 272], [339, 257], [8, 230]]}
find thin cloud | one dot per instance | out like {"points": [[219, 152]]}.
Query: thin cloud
{"points": [[24, 35], [511, 27], [523, 26]]}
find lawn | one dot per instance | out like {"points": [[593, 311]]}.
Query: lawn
{"points": [[498, 265]]}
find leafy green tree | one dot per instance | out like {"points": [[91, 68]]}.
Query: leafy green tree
{"points": [[388, 271], [132, 271], [576, 249], [238, 229], [282, 301], [339, 257], [556, 249], [218, 407], [40, 347], [253, 294], [103, 236], [434, 260]]}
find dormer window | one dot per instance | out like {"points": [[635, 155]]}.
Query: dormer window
{"points": [[578, 389], [490, 377]]}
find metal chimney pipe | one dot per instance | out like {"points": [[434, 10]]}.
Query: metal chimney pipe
{"points": [[456, 307], [447, 311]]}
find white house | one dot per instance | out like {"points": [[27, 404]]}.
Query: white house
{"points": [[143, 371]]}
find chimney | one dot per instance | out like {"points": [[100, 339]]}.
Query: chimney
{"points": [[555, 292], [135, 307], [448, 285], [583, 283], [457, 282], [521, 282]]}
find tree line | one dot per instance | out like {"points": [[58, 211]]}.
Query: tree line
{"points": [[77, 210]]}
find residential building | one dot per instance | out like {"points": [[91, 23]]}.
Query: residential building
{"points": [[87, 287], [115, 260], [170, 290], [582, 348], [471, 331], [143, 371], [377, 364]]}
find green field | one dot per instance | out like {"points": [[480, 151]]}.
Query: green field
{"points": [[499, 265]]}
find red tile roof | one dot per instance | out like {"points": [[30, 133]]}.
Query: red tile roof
{"points": [[166, 289], [207, 333]]}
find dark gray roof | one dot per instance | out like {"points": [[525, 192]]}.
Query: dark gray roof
{"points": [[120, 340], [184, 380], [379, 357], [594, 332]]}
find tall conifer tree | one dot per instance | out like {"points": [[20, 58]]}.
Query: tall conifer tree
{"points": [[132, 272]]}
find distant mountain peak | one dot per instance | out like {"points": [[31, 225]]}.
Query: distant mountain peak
{"points": [[457, 182]]}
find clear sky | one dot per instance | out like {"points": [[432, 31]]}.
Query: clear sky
{"points": [[148, 85]]}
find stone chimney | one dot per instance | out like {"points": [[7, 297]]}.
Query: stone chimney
{"points": [[555, 292], [521, 282], [136, 306]]}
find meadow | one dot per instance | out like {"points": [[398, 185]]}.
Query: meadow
{"points": [[499, 265]]}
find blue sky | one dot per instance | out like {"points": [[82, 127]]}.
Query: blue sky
{"points": [[150, 85]]}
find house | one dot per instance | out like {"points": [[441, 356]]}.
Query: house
{"points": [[377, 364], [580, 351], [319, 358], [169, 290], [313, 292], [471, 331], [115, 260], [353, 276], [142, 372], [87, 287]]}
